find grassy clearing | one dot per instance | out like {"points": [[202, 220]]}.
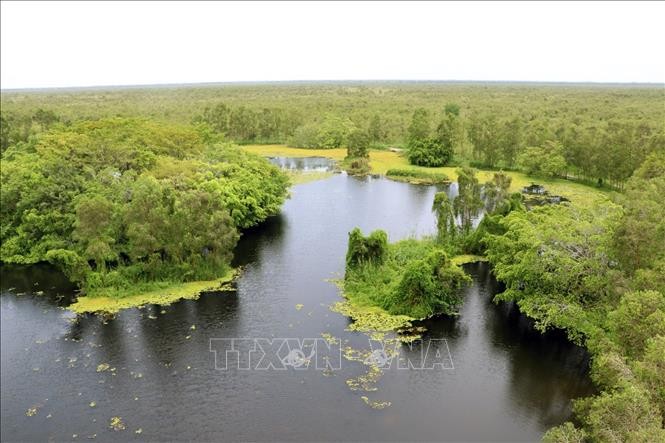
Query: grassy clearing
{"points": [[383, 160], [164, 294]]}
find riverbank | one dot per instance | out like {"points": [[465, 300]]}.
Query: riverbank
{"points": [[170, 293]]}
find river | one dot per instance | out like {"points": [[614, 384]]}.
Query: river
{"points": [[506, 382]]}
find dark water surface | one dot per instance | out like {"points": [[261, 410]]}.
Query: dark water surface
{"points": [[509, 383]]}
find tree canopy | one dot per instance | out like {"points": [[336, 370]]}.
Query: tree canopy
{"points": [[119, 201]]}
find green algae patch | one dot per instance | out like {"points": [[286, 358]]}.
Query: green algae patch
{"points": [[375, 404], [371, 319], [467, 258], [94, 303]]}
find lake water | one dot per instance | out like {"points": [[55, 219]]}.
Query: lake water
{"points": [[505, 382]]}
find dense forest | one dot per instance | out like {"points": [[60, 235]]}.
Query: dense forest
{"points": [[121, 204], [598, 133]]}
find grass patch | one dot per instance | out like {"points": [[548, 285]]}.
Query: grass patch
{"points": [[159, 293], [417, 176]]}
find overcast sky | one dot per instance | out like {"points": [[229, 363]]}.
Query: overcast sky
{"points": [[84, 44]]}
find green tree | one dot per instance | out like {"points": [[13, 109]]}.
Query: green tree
{"points": [[93, 229], [640, 237], [445, 218], [496, 191], [639, 317], [45, 118], [483, 134], [511, 140], [468, 202], [419, 129], [545, 161], [428, 152], [358, 144], [377, 132]]}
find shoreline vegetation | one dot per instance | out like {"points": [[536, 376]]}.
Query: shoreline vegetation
{"points": [[160, 294]]}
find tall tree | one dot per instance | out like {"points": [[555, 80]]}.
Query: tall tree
{"points": [[445, 217], [468, 202], [419, 129]]}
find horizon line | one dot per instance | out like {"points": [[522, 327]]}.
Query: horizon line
{"points": [[329, 81]]}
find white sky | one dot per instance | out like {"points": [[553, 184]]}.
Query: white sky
{"points": [[92, 43]]}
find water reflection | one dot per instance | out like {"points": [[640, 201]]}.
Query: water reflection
{"points": [[309, 164]]}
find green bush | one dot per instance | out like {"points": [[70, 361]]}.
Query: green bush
{"points": [[429, 286], [363, 250], [357, 166], [417, 176], [428, 152]]}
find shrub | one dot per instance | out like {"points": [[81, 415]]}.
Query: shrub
{"points": [[428, 152], [417, 176], [364, 250], [427, 287], [358, 166]]}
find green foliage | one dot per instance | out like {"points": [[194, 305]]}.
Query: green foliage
{"points": [[452, 109], [450, 132], [445, 217], [428, 152], [496, 191], [332, 132], [363, 250], [557, 263], [120, 201], [650, 371], [247, 125], [565, 433], [419, 129], [358, 144], [357, 166], [468, 202], [429, 286], [560, 264], [377, 131], [622, 415], [546, 161], [405, 283], [639, 317], [417, 176], [484, 134], [641, 233]]}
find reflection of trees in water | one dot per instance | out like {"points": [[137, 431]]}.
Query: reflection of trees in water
{"points": [[57, 289], [254, 240], [545, 370]]}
